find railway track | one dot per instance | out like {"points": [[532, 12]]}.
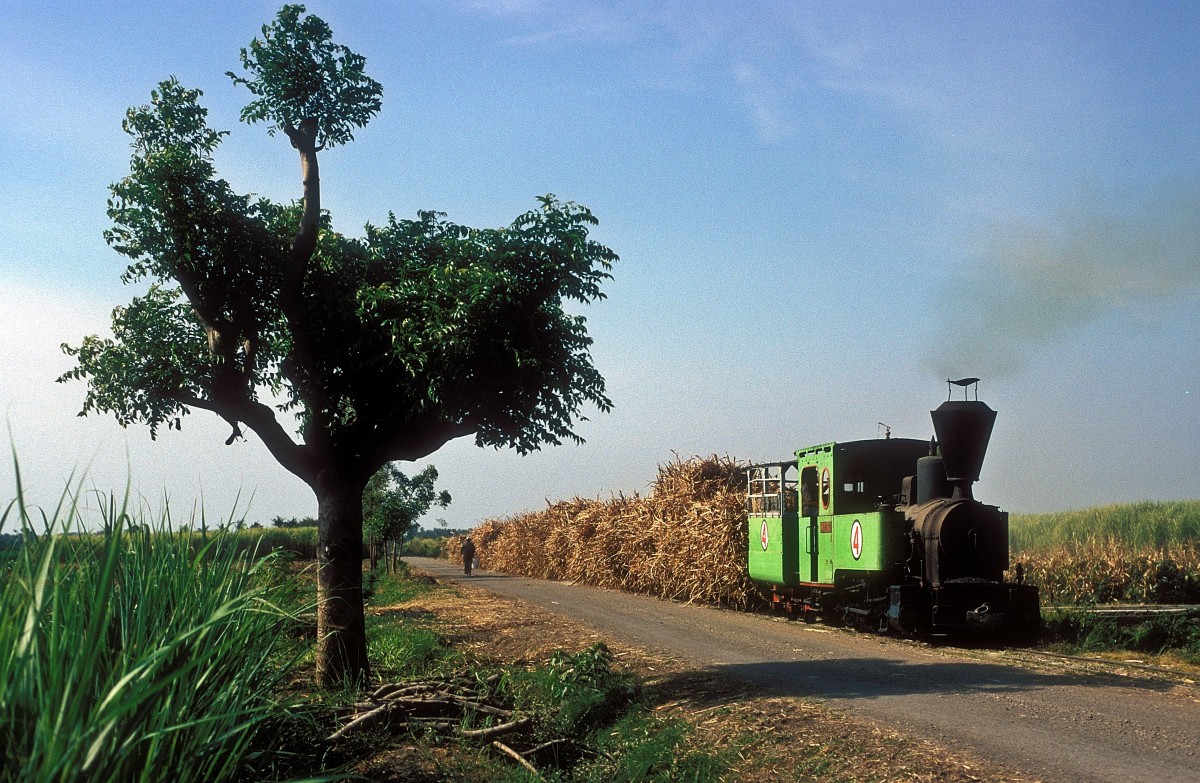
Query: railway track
{"points": [[1127, 611]]}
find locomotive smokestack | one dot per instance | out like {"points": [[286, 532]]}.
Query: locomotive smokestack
{"points": [[963, 429]]}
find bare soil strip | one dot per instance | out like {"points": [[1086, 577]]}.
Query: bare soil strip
{"points": [[954, 709], [775, 738]]}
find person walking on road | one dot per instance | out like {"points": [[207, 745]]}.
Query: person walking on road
{"points": [[468, 555]]}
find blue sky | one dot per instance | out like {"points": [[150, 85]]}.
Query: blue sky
{"points": [[822, 211]]}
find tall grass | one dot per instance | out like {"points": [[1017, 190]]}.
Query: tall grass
{"points": [[138, 656], [1145, 552], [1093, 574], [299, 542], [1141, 526]]}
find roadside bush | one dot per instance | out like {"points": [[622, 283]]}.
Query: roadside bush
{"points": [[573, 692], [426, 547]]}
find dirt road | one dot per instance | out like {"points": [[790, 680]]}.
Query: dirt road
{"points": [[1053, 725]]}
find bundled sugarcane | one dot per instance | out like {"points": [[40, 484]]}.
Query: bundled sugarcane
{"points": [[686, 540]]}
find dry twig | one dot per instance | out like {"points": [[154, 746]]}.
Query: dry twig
{"points": [[498, 745]]}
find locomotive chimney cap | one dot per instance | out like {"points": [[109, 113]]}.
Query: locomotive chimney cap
{"points": [[963, 429], [964, 383]]}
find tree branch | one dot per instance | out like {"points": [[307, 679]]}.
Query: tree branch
{"points": [[413, 440], [304, 245], [260, 418]]}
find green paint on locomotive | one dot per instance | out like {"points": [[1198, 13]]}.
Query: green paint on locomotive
{"points": [[773, 547], [829, 518], [773, 523]]}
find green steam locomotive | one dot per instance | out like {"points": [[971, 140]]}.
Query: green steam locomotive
{"points": [[886, 533]]}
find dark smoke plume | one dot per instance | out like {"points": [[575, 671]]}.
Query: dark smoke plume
{"points": [[1035, 285]]}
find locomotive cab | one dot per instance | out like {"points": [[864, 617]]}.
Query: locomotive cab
{"points": [[823, 530]]}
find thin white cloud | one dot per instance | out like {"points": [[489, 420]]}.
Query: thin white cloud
{"points": [[763, 99], [698, 45], [1005, 84]]}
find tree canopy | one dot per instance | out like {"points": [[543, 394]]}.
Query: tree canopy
{"points": [[340, 353]]}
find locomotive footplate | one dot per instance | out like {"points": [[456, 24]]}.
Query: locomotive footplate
{"points": [[967, 604], [981, 605]]}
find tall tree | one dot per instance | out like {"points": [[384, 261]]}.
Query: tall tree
{"points": [[341, 354], [393, 502]]}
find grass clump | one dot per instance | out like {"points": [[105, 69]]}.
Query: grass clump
{"points": [[573, 693], [1074, 632], [401, 645], [619, 736], [641, 747], [133, 654]]}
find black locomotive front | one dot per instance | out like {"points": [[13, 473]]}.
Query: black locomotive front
{"points": [[958, 547]]}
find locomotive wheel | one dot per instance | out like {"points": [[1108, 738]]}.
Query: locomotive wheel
{"points": [[835, 614]]}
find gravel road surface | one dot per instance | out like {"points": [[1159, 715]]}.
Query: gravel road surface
{"points": [[1053, 725]]}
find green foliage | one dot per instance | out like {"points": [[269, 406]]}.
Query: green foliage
{"points": [[426, 546], [469, 310], [137, 657], [212, 255], [1074, 631], [393, 502], [398, 588], [582, 695], [298, 74], [405, 645], [642, 748], [400, 652], [146, 354], [574, 693], [294, 522]]}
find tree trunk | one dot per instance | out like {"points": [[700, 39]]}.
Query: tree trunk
{"points": [[341, 626]]}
